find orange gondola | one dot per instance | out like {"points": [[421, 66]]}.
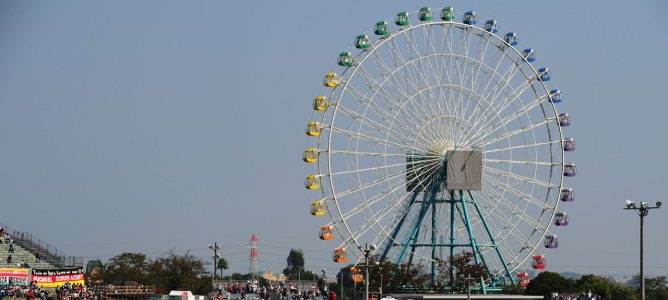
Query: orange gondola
{"points": [[356, 274], [326, 233], [340, 255]]}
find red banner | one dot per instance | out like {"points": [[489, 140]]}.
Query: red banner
{"points": [[15, 275], [57, 277]]}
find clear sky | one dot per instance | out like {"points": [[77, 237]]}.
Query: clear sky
{"points": [[149, 125]]}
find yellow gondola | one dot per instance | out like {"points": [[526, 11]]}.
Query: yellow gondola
{"points": [[326, 233], [340, 255], [310, 155], [331, 79], [356, 274], [313, 128], [317, 208], [312, 182], [320, 103]]}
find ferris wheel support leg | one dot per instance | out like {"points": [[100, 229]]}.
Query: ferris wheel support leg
{"points": [[491, 238], [469, 230], [397, 228], [482, 257], [414, 231]]}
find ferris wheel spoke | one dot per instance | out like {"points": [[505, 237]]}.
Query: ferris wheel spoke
{"points": [[438, 69], [399, 136], [487, 151], [462, 69], [430, 43], [491, 75], [378, 197], [374, 183], [533, 103], [521, 162], [509, 101], [469, 77], [378, 110], [382, 167], [509, 134], [397, 54], [509, 231], [490, 71], [521, 195], [362, 170], [368, 225], [519, 178], [410, 102], [518, 113], [371, 139], [362, 153], [520, 216], [389, 76], [502, 85], [397, 106]]}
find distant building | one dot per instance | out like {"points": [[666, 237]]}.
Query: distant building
{"points": [[271, 277]]}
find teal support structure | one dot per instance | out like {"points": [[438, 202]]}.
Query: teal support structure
{"points": [[463, 207]]}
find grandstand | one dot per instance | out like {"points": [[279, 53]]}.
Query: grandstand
{"points": [[32, 251]]}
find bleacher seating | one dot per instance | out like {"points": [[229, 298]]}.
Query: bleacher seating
{"points": [[26, 248], [20, 254]]}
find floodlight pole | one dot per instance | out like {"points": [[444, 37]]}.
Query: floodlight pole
{"points": [[642, 211]]}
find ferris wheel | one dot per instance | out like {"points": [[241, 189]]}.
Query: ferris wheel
{"points": [[437, 136]]}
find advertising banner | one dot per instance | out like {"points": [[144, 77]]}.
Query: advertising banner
{"points": [[16, 275], [57, 277]]}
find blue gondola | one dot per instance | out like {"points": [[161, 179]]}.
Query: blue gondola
{"points": [[511, 39], [529, 55], [491, 26], [544, 74], [555, 96], [470, 17]]}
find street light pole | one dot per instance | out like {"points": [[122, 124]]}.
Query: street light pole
{"points": [[642, 211], [341, 296], [215, 249], [380, 269], [367, 250]]}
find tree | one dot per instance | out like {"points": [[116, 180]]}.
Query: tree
{"points": [[622, 291], [222, 265], [596, 284], [126, 267], [465, 267], [513, 289], [547, 282], [295, 262], [179, 272]]}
